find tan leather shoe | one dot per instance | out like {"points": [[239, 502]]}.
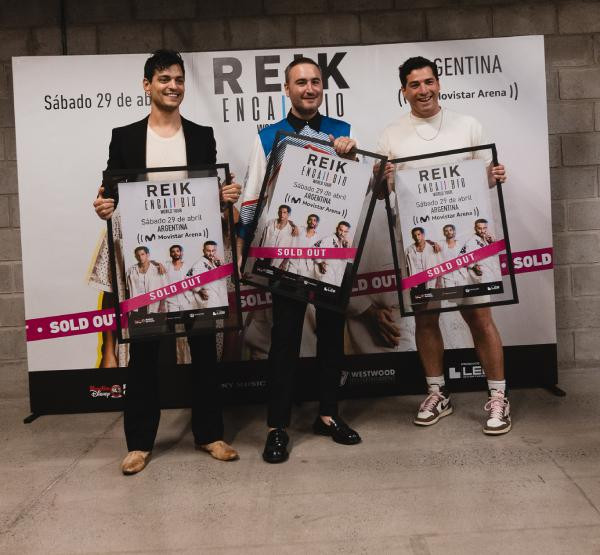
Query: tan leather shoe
{"points": [[220, 450], [135, 461]]}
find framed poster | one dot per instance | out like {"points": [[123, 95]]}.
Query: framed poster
{"points": [[172, 252], [453, 232], [311, 220]]}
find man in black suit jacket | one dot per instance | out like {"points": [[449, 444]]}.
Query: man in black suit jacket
{"points": [[164, 138], [128, 144]]}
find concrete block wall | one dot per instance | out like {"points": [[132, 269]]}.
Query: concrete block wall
{"points": [[572, 30]]}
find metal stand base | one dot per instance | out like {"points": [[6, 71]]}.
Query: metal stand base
{"points": [[29, 419], [555, 390]]}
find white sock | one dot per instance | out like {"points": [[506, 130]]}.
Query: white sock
{"points": [[435, 383], [497, 385]]}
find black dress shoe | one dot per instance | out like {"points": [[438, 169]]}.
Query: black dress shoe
{"points": [[276, 446], [338, 430]]}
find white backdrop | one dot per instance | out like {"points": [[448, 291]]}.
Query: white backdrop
{"points": [[62, 152]]}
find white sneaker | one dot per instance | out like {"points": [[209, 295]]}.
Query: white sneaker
{"points": [[498, 421], [435, 406]]}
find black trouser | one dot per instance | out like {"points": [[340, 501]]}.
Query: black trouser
{"points": [[142, 399], [286, 336]]}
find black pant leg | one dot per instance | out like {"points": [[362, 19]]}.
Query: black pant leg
{"points": [[330, 348], [286, 336], [142, 401], [207, 409]]}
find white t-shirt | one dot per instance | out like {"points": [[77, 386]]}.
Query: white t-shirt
{"points": [[303, 266], [139, 283], [419, 261], [274, 236], [162, 152], [182, 301], [447, 130], [215, 290], [489, 267], [335, 267], [458, 277]]}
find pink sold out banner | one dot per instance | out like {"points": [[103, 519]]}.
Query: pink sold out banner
{"points": [[462, 261], [95, 321], [77, 323], [192, 282], [302, 252]]}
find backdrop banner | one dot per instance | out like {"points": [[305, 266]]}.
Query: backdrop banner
{"points": [[65, 109]]}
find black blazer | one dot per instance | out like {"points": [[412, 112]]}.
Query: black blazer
{"points": [[127, 150]]}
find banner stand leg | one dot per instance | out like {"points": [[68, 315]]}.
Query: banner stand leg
{"points": [[29, 419], [555, 390]]}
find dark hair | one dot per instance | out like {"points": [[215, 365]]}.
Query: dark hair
{"points": [[176, 247], [449, 225], [162, 59], [481, 221], [313, 216], [145, 249], [344, 223], [286, 207], [417, 229], [296, 62], [417, 62], [207, 243]]}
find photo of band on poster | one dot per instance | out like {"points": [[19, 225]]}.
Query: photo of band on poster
{"points": [[454, 234], [312, 220], [169, 212]]}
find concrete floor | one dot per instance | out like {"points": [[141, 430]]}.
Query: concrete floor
{"points": [[446, 489]]}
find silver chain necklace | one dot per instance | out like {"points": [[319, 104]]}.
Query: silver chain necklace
{"points": [[419, 134]]}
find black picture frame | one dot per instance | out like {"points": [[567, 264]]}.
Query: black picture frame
{"points": [[295, 285], [433, 299], [185, 322]]}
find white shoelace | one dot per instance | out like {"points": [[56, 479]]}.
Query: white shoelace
{"points": [[495, 406], [431, 401]]}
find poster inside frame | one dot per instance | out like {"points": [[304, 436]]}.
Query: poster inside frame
{"points": [[171, 246], [311, 221], [453, 232]]}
